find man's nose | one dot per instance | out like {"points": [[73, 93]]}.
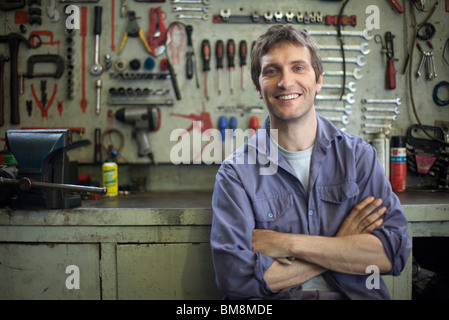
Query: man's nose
{"points": [[286, 80]]}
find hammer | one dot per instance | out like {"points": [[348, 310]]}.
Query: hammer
{"points": [[14, 39]]}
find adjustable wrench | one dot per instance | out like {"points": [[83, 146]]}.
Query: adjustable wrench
{"points": [[356, 73]]}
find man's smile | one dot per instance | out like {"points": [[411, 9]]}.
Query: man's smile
{"points": [[290, 96]]}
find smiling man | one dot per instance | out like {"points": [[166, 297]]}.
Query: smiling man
{"points": [[312, 229]]}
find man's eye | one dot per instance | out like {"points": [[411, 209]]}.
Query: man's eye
{"points": [[299, 68], [270, 71]]}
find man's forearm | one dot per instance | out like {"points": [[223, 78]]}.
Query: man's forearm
{"points": [[348, 254], [280, 276]]}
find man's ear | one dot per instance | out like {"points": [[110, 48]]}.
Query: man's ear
{"points": [[319, 83], [260, 94]]}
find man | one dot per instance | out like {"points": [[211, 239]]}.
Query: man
{"points": [[328, 209]]}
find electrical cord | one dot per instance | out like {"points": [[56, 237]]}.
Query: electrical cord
{"points": [[436, 99], [340, 38]]}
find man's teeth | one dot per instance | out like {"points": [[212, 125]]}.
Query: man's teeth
{"points": [[289, 97]]}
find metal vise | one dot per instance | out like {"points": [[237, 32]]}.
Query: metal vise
{"points": [[43, 169]]}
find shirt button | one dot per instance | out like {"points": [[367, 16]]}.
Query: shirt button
{"points": [[310, 212], [270, 215]]}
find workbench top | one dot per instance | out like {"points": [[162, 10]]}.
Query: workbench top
{"points": [[185, 208]]}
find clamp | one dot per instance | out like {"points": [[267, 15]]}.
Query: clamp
{"points": [[157, 33], [133, 30]]}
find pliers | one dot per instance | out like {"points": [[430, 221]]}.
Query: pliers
{"points": [[133, 30]]}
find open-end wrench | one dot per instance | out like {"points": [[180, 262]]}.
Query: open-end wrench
{"points": [[197, 17], [366, 34], [190, 9], [346, 109], [377, 125], [343, 119], [383, 101], [363, 48], [206, 2], [356, 73], [395, 110], [349, 98], [350, 86], [360, 60], [97, 69], [390, 118]]}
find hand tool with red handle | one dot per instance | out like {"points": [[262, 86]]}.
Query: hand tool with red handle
{"points": [[205, 54], [242, 54], [397, 6], [230, 52], [219, 49], [83, 32]]}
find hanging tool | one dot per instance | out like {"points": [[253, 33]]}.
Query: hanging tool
{"points": [[242, 54], [205, 53], [230, 49], [98, 85], [14, 40], [157, 34], [3, 60], [219, 49], [133, 30], [397, 6], [42, 104], [83, 32], [391, 72], [189, 53], [97, 68]]}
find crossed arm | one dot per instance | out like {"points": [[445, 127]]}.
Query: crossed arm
{"points": [[351, 250]]}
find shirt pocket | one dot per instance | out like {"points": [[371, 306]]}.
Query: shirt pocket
{"points": [[338, 193], [272, 207]]}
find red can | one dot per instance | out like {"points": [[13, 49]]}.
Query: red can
{"points": [[398, 163]]}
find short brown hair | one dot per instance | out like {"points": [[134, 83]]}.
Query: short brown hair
{"points": [[278, 34]]}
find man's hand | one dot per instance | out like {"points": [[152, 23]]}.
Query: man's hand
{"points": [[364, 218]]}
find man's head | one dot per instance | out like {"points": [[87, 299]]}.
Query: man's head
{"points": [[287, 72], [283, 34]]}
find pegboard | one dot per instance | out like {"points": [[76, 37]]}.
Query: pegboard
{"points": [[64, 94]]}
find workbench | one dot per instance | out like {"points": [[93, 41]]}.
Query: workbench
{"points": [[144, 246]]}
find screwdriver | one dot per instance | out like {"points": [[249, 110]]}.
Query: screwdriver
{"points": [[230, 54], [189, 54], [205, 53], [219, 54], [242, 55]]}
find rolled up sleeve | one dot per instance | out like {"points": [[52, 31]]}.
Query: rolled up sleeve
{"points": [[239, 271], [394, 231]]}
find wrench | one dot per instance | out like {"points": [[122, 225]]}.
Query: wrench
{"points": [[356, 73], [383, 101], [358, 61], [351, 86], [206, 2], [278, 16], [362, 48], [343, 119], [395, 110], [198, 17], [346, 109], [179, 9], [366, 34], [349, 98], [97, 68], [391, 118], [375, 125]]}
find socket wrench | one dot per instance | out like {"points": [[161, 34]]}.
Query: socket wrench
{"points": [[97, 69]]}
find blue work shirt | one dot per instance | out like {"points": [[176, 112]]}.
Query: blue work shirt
{"points": [[344, 170]]}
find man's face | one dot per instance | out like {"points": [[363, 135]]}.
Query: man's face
{"points": [[288, 82]]}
